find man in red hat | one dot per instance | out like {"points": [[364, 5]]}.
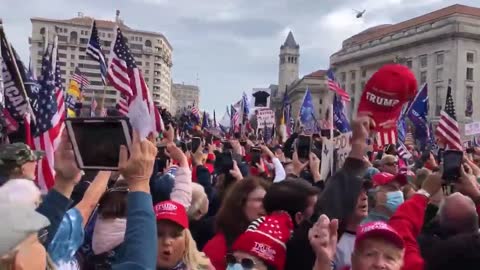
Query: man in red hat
{"points": [[388, 196], [377, 246]]}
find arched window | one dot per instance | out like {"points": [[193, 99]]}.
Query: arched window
{"points": [[148, 43], [42, 31], [73, 37]]}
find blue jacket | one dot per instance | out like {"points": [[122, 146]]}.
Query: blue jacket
{"points": [[140, 245], [54, 207]]}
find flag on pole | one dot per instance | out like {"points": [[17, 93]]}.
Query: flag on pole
{"points": [[17, 88], [307, 112], [50, 115], [214, 119], [127, 78], [339, 117], [94, 50], [80, 78], [285, 120], [447, 128], [335, 87], [417, 112], [122, 105], [204, 120]]}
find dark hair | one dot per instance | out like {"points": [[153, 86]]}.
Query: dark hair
{"points": [[290, 195], [231, 219], [10, 168], [457, 252], [113, 203]]}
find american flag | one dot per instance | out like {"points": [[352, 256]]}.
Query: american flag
{"points": [[194, 110], [402, 151], [335, 87], [94, 49], [447, 129], [122, 105], [383, 138], [80, 78], [127, 78], [49, 117]]}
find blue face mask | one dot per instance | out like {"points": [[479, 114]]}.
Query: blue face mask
{"points": [[234, 266], [394, 200]]}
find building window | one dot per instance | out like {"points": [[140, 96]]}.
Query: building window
{"points": [[72, 65], [409, 63], [469, 74], [343, 76], [362, 85], [343, 86], [364, 73], [147, 71], [439, 74], [320, 101], [423, 61], [469, 101], [470, 57], [148, 43], [423, 77], [439, 58], [72, 56], [42, 31], [352, 88], [353, 75], [438, 99]]}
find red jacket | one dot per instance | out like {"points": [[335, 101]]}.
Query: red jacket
{"points": [[408, 222], [216, 250]]}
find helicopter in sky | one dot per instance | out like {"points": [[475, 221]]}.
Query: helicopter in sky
{"points": [[359, 14]]}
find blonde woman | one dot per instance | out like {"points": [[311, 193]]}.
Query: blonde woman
{"points": [[176, 247]]}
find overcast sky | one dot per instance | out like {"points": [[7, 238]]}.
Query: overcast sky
{"points": [[232, 45]]}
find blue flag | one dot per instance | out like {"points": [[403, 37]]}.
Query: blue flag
{"points": [[417, 113], [306, 113], [205, 120], [402, 128], [339, 118]]}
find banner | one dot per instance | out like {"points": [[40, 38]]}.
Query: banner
{"points": [[472, 128], [265, 118], [343, 146]]}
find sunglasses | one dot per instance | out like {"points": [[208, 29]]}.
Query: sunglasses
{"points": [[391, 164], [245, 263]]}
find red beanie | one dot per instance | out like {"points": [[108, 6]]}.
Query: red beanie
{"points": [[266, 239], [383, 98]]}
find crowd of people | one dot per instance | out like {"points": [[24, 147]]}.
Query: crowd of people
{"points": [[217, 207]]}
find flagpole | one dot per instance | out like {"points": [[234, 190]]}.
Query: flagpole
{"points": [[331, 134]]}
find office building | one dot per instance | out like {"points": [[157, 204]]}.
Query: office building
{"points": [[152, 52]]}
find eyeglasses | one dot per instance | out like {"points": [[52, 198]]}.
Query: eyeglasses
{"points": [[246, 263], [391, 164]]}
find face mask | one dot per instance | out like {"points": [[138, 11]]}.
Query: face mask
{"points": [[394, 200], [235, 266]]}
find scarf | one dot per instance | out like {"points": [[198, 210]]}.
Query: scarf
{"points": [[108, 234]]}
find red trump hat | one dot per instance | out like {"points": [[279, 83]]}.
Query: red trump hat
{"points": [[384, 96]]}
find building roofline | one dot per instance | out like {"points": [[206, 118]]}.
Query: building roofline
{"points": [[123, 26], [419, 20]]}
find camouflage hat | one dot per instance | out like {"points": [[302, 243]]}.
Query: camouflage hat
{"points": [[19, 153]]}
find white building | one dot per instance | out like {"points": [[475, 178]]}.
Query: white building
{"points": [[152, 52], [184, 96], [439, 46]]}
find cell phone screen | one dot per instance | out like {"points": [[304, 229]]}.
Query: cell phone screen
{"points": [[97, 143], [304, 145], [255, 155], [196, 141], [452, 160], [226, 162]]}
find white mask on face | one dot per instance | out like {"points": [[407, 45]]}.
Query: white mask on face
{"points": [[108, 234]]}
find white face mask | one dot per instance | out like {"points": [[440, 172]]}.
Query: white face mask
{"points": [[108, 234], [235, 266]]}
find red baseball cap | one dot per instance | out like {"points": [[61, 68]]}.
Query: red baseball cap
{"points": [[378, 229], [384, 95], [172, 211], [382, 178]]}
